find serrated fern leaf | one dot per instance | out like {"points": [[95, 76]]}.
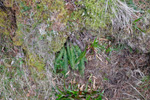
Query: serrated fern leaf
{"points": [[65, 66], [81, 66], [68, 50], [82, 55], [71, 58], [60, 55], [58, 60]]}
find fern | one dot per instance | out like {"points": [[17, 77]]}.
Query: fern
{"points": [[72, 59], [58, 60], [82, 55], [70, 56], [65, 67]]}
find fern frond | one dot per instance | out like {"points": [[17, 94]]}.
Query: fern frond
{"points": [[81, 56], [58, 60], [65, 66], [72, 59]]}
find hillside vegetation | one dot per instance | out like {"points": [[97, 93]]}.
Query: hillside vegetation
{"points": [[75, 49]]}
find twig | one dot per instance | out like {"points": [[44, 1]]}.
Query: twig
{"points": [[131, 96], [136, 90]]}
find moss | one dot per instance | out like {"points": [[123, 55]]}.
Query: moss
{"points": [[56, 17], [4, 23], [94, 14], [19, 37], [8, 3], [58, 42], [44, 11], [35, 61], [17, 41]]}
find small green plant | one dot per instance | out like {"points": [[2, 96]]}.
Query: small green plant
{"points": [[131, 4], [101, 47], [24, 7], [2, 68], [135, 26], [72, 56], [146, 83], [74, 93]]}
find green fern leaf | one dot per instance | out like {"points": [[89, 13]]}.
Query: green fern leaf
{"points": [[58, 60], [72, 59], [65, 66], [81, 56]]}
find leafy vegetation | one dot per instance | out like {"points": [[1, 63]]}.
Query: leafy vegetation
{"points": [[73, 91], [72, 94], [34, 61], [70, 56]]}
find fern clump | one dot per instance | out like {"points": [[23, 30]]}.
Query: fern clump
{"points": [[70, 56]]}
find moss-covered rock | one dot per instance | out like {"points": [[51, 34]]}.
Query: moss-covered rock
{"points": [[43, 27]]}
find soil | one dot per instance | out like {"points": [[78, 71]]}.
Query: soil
{"points": [[120, 78]]}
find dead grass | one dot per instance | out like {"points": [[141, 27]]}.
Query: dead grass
{"points": [[121, 74], [20, 83]]}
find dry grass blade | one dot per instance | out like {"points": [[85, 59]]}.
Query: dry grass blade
{"points": [[137, 91]]}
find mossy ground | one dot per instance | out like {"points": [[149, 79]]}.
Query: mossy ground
{"points": [[27, 58]]}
